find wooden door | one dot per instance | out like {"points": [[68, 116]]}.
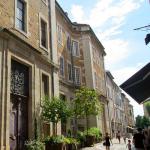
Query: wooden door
{"points": [[19, 106]]}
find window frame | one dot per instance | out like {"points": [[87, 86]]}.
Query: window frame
{"points": [[74, 53], [59, 34], [25, 31], [42, 18], [42, 72], [76, 67], [68, 43], [68, 63], [62, 65]]}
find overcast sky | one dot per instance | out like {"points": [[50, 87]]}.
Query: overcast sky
{"points": [[113, 22]]}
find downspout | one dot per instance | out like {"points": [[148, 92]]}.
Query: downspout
{"points": [[51, 49], [73, 78]]}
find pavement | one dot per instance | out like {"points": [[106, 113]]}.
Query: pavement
{"points": [[115, 146]]}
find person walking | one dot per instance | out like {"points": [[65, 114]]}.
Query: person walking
{"points": [[118, 136], [129, 145], [138, 140], [107, 142], [146, 140], [124, 137]]}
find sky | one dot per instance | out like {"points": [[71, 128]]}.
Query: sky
{"points": [[113, 22]]}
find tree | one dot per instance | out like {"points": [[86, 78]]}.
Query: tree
{"points": [[145, 122], [86, 103], [54, 110], [147, 105], [138, 121], [142, 122]]}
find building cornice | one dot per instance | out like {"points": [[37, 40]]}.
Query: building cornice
{"points": [[79, 27], [8, 33]]}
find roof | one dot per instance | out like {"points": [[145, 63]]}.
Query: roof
{"points": [[79, 25], [138, 86], [109, 74]]}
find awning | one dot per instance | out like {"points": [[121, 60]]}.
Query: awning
{"points": [[130, 127], [138, 86]]}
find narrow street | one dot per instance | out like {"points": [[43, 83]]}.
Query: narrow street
{"points": [[115, 146]]}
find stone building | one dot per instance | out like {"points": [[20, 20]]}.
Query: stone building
{"points": [[120, 110], [43, 53], [131, 122], [110, 97], [81, 59], [28, 65]]}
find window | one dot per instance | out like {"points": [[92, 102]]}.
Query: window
{"points": [[45, 83], [20, 15], [61, 66], [43, 34], [69, 43], [69, 72], [77, 75], [59, 34], [75, 48]]}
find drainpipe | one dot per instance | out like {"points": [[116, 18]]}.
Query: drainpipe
{"points": [[50, 5]]}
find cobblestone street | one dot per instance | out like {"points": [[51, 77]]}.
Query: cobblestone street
{"points": [[115, 146]]}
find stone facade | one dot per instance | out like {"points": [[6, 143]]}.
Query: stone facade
{"points": [[43, 53], [120, 111], [23, 48], [89, 59]]}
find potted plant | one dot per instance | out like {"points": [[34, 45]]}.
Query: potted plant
{"points": [[34, 145], [96, 132], [54, 142], [55, 110], [81, 138], [86, 103], [71, 143], [90, 138]]}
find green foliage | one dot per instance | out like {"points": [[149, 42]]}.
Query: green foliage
{"points": [[81, 136], [94, 132], [147, 105], [71, 141], [55, 110], [142, 122], [145, 122], [86, 102], [55, 139], [138, 121], [34, 145]]}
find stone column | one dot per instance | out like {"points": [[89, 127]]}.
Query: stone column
{"points": [[4, 95]]}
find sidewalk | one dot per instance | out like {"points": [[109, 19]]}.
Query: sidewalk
{"points": [[115, 146]]}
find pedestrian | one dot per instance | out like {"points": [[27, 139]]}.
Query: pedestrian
{"points": [[146, 140], [124, 137], [138, 140], [118, 136], [129, 145], [107, 142]]}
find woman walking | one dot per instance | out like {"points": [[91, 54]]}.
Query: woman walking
{"points": [[107, 142]]}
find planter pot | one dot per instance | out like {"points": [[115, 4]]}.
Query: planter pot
{"points": [[52, 146], [89, 140], [71, 147]]}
